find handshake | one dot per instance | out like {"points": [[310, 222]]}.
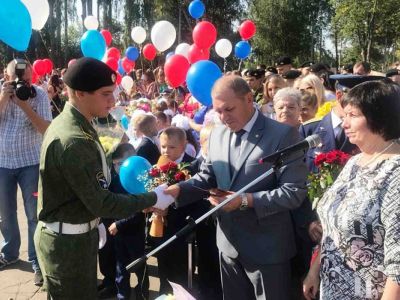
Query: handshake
{"points": [[163, 200]]}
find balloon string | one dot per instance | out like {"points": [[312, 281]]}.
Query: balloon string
{"points": [[141, 57], [225, 63], [240, 64], [44, 43]]}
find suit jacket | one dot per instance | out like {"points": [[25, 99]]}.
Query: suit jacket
{"points": [[262, 234], [324, 129], [148, 150]]}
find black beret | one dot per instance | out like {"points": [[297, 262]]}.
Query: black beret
{"points": [[272, 70], [89, 74], [350, 81], [291, 74], [392, 72], [257, 73], [318, 67], [283, 60], [307, 64]]}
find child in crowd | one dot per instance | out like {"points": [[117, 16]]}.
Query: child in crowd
{"points": [[146, 126]]}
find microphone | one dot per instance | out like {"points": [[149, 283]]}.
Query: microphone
{"points": [[311, 141]]}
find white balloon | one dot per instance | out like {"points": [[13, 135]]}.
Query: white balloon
{"points": [[127, 83], [223, 48], [163, 35], [138, 34], [183, 49], [39, 11], [117, 112], [91, 23]]}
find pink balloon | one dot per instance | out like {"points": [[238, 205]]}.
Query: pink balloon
{"points": [[247, 29], [204, 34], [149, 51], [195, 54], [127, 65], [176, 68], [113, 53], [71, 62], [112, 63], [107, 36], [39, 66]]}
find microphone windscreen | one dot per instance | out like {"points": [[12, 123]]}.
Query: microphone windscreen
{"points": [[314, 140]]}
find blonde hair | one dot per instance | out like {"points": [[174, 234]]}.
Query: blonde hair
{"points": [[315, 82], [176, 132], [276, 79], [143, 123]]}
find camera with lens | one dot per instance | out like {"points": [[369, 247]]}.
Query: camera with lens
{"points": [[22, 88]]}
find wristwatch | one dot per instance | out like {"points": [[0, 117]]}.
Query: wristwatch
{"points": [[245, 202]]}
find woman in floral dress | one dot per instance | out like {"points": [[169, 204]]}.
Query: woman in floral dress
{"points": [[360, 214]]}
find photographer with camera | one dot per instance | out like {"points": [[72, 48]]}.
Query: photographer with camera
{"points": [[24, 117]]}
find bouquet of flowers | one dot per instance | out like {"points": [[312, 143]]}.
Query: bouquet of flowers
{"points": [[164, 172], [329, 166]]}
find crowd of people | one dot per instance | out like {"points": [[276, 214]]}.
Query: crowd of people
{"points": [[267, 243]]}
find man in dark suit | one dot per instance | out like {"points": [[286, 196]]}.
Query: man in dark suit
{"points": [[254, 233], [146, 125]]}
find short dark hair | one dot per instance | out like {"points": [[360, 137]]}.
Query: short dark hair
{"points": [[121, 149], [379, 101], [364, 64], [177, 132]]}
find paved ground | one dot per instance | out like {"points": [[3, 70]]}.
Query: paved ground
{"points": [[16, 281]]}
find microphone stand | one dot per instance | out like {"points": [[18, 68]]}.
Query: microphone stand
{"points": [[192, 223]]}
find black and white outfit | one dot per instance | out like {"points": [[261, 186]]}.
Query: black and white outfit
{"points": [[360, 216]]}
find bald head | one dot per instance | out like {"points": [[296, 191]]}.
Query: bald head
{"points": [[234, 83]]}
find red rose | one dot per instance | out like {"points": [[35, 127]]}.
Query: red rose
{"points": [[320, 159], [154, 172], [168, 166], [344, 158], [180, 176], [331, 157]]}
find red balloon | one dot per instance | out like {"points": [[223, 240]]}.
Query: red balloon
{"points": [[112, 63], [195, 54], [39, 66], [113, 53], [149, 51], [176, 68], [127, 65], [247, 29], [204, 35], [49, 65], [119, 78], [71, 62], [107, 36], [35, 77]]}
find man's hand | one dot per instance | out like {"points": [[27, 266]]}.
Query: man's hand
{"points": [[315, 231], [173, 191], [163, 199], [113, 230], [6, 93], [219, 197]]}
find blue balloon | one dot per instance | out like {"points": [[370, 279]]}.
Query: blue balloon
{"points": [[133, 173], [169, 54], [242, 49], [196, 9], [93, 44], [120, 68], [16, 24], [201, 78], [125, 122], [132, 53]]}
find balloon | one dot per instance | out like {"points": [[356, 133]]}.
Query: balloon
{"points": [[16, 26], [112, 63], [131, 173], [138, 34], [163, 35], [196, 9], [91, 23], [125, 122], [149, 51], [169, 54], [127, 65], [39, 66], [107, 36], [223, 48], [39, 11], [71, 62], [132, 53], [247, 29], [242, 49], [119, 78], [117, 112], [93, 44], [200, 80], [114, 53], [127, 83], [49, 65], [176, 68], [35, 77], [195, 54], [120, 67], [183, 49], [204, 34]]}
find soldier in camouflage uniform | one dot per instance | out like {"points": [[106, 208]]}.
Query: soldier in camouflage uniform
{"points": [[254, 79], [73, 186]]}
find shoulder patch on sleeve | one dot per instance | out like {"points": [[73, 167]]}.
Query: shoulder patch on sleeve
{"points": [[101, 180]]}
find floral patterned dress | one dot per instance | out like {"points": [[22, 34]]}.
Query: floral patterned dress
{"points": [[360, 216]]}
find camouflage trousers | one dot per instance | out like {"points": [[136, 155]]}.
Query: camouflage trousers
{"points": [[68, 263]]}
